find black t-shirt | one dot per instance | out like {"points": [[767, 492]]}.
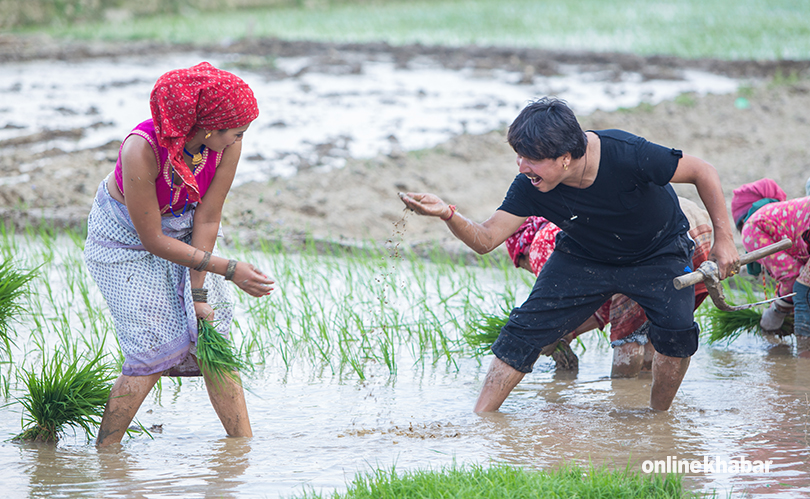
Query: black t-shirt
{"points": [[627, 214]]}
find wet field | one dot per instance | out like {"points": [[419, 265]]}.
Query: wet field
{"points": [[359, 363], [320, 415], [314, 112]]}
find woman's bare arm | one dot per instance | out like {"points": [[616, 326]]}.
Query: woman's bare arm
{"points": [[140, 170]]}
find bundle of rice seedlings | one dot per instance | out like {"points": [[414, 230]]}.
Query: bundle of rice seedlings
{"points": [[12, 285], [729, 325], [483, 333], [215, 354], [64, 396]]}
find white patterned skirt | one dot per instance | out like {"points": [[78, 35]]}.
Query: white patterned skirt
{"points": [[149, 297]]}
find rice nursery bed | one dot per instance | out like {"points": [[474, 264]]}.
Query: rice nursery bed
{"points": [[358, 362]]}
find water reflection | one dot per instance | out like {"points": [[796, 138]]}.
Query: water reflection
{"points": [[50, 469], [229, 461], [748, 399]]}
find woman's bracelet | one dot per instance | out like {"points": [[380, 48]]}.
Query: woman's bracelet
{"points": [[452, 212], [199, 295], [231, 270], [204, 262]]}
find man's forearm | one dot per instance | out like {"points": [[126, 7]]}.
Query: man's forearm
{"points": [[472, 234]]}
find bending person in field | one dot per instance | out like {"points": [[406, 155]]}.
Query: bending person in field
{"points": [[152, 233], [531, 245], [764, 216], [622, 232]]}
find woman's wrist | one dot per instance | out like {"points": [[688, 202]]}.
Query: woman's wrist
{"points": [[202, 265], [216, 265], [230, 270], [199, 295]]}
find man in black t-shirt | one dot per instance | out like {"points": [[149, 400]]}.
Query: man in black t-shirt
{"points": [[623, 232]]}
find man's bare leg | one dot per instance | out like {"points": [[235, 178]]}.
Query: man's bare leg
{"points": [[228, 398], [501, 379], [649, 353], [627, 360], [126, 397], [668, 372]]}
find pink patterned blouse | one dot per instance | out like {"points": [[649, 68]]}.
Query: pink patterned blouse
{"points": [[770, 224], [170, 197]]}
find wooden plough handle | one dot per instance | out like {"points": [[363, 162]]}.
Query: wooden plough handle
{"points": [[709, 267]]}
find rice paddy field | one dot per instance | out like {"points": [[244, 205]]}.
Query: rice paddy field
{"points": [[359, 376], [358, 363]]}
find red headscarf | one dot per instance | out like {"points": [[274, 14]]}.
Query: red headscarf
{"points": [[748, 194], [185, 100]]}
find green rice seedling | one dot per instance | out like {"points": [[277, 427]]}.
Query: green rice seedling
{"points": [[13, 284], [8, 243], [64, 395], [503, 480], [482, 333], [727, 325], [215, 354]]}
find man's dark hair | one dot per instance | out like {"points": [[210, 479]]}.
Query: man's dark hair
{"points": [[547, 129]]}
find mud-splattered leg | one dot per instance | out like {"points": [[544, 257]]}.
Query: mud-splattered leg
{"points": [[126, 396], [228, 398], [668, 372], [649, 353], [628, 359], [500, 380]]}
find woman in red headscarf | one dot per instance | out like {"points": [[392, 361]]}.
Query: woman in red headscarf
{"points": [[152, 233], [764, 215]]}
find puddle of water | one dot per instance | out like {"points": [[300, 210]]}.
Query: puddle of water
{"points": [[316, 429], [316, 119]]}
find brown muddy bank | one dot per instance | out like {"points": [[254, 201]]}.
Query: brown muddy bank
{"points": [[359, 202]]}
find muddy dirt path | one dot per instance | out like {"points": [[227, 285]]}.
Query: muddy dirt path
{"points": [[753, 133]]}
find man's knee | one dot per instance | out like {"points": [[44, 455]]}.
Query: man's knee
{"points": [[675, 342], [515, 352]]}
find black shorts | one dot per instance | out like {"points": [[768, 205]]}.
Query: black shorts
{"points": [[570, 289]]}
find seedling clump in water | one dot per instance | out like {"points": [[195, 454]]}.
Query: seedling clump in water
{"points": [[62, 397]]}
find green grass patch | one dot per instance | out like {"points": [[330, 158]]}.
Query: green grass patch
{"points": [[727, 29], [501, 480], [686, 100], [63, 395], [729, 325]]}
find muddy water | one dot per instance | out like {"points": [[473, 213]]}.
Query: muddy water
{"points": [[314, 431], [312, 116]]}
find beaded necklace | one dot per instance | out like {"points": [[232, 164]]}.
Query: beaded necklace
{"points": [[196, 159], [186, 203]]}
